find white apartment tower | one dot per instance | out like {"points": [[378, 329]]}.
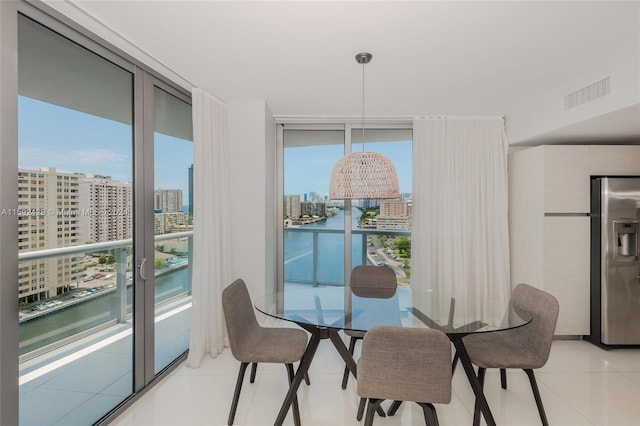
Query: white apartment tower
{"points": [[107, 204], [57, 209], [47, 200]]}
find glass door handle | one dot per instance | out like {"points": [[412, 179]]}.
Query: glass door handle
{"points": [[141, 269]]}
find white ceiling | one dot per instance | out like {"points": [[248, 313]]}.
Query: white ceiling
{"points": [[449, 58]]}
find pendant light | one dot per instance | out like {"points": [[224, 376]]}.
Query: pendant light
{"points": [[363, 175]]}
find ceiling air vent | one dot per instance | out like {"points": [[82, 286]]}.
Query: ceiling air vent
{"points": [[587, 94]]}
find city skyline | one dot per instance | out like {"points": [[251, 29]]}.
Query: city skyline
{"points": [[106, 149], [307, 169], [106, 146]]}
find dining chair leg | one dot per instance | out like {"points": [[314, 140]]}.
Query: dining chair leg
{"points": [[236, 393], [296, 407], [305, 362], [536, 395], [394, 407], [254, 367], [345, 375], [372, 407], [361, 407], [476, 409], [430, 415], [503, 378]]}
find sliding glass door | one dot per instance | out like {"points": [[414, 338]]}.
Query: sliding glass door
{"points": [[104, 225], [75, 224], [172, 224], [322, 237]]}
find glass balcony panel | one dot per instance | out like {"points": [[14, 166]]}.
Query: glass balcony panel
{"points": [[172, 300], [298, 264], [100, 298]]}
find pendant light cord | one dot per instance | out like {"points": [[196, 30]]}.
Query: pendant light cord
{"points": [[363, 64], [363, 175], [363, 58]]}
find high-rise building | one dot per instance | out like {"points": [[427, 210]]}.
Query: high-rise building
{"points": [[59, 209], [292, 206], [394, 215], [394, 208], [165, 223], [48, 217], [108, 213], [168, 200], [313, 208]]}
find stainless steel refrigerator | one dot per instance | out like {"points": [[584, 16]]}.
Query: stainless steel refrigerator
{"points": [[615, 263]]}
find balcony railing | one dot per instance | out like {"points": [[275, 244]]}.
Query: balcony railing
{"points": [[101, 303], [315, 256]]}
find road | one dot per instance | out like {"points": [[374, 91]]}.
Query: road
{"points": [[380, 257]]}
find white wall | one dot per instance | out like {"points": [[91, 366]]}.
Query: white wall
{"points": [[252, 169], [546, 113]]}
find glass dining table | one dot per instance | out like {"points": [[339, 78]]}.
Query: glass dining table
{"points": [[325, 310]]}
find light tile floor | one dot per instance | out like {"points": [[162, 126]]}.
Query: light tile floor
{"points": [[580, 385]]}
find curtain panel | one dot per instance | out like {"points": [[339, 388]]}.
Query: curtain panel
{"points": [[460, 236], [211, 239]]}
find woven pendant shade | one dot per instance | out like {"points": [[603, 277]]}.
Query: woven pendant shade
{"points": [[364, 176]]}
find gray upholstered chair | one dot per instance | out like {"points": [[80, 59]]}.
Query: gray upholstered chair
{"points": [[251, 343], [526, 347], [373, 282], [405, 364]]}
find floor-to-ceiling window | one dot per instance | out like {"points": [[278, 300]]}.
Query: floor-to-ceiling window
{"points": [[75, 163], [314, 227], [173, 215], [100, 142], [381, 229]]}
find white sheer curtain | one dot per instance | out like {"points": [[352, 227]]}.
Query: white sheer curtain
{"points": [[211, 262], [460, 237]]}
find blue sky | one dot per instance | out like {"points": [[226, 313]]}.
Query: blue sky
{"points": [[308, 169], [72, 141]]}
